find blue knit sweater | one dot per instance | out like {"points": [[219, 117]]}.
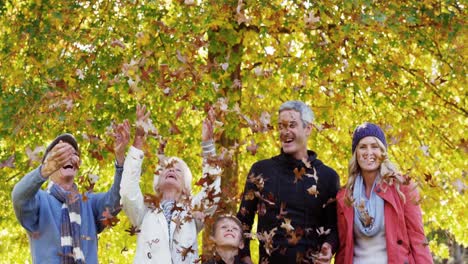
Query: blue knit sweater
{"points": [[40, 213]]}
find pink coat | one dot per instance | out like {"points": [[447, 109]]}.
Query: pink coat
{"points": [[404, 231]]}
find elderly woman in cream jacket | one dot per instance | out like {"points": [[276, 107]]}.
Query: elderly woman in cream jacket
{"points": [[170, 220]]}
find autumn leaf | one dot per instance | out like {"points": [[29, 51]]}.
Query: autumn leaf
{"points": [[258, 180], [174, 129], [178, 222], [33, 155], [124, 249], [252, 148], [185, 251], [322, 232], [152, 201], [8, 163], [287, 225], [298, 174], [108, 220], [270, 199], [177, 208], [133, 230], [293, 237], [313, 190], [283, 211], [364, 216], [267, 239]]}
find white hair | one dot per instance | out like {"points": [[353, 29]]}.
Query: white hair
{"points": [[307, 115], [187, 174]]}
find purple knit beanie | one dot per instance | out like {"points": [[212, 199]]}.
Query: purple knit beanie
{"points": [[366, 130]]}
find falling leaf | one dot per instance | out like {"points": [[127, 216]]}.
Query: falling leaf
{"points": [[258, 181], [267, 239], [180, 57], [177, 208], [79, 73], [117, 43], [108, 220], [252, 148], [152, 201], [33, 155], [322, 232], [124, 249], [174, 129], [225, 66], [293, 237], [283, 211], [313, 190], [147, 126], [298, 174], [133, 230], [178, 222], [179, 112], [268, 200], [189, 2], [364, 216], [8, 163], [287, 225]]}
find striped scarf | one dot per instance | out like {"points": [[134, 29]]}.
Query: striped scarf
{"points": [[71, 224]]}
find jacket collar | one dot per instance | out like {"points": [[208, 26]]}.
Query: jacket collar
{"points": [[388, 193], [293, 162]]}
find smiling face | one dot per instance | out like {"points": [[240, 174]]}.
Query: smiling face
{"points": [[228, 233], [369, 155], [65, 176], [293, 133]]}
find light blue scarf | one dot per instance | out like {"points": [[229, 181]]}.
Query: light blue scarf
{"points": [[374, 206]]}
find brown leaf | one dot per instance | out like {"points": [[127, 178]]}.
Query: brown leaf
{"points": [[133, 230], [108, 220], [282, 212], [298, 174], [174, 130], [8, 163], [152, 201], [259, 181], [287, 225], [186, 251], [252, 148], [313, 191]]}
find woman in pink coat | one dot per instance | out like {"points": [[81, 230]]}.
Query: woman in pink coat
{"points": [[379, 219]]}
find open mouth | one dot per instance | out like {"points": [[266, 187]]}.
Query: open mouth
{"points": [[68, 166], [229, 234], [171, 176]]}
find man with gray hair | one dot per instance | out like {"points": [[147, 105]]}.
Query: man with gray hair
{"points": [[293, 195]]}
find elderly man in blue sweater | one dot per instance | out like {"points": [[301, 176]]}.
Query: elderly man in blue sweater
{"points": [[62, 225]]}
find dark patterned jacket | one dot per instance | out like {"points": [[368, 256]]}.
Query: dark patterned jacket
{"points": [[303, 193]]}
